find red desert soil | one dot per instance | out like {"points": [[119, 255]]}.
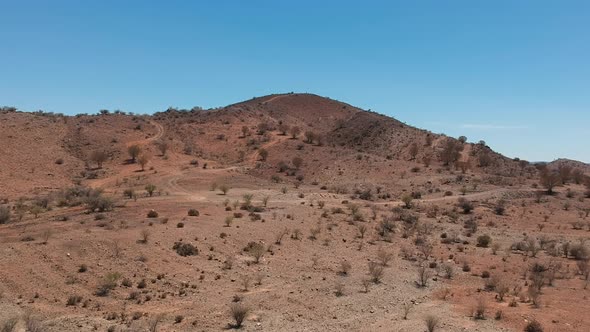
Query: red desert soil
{"points": [[313, 214]]}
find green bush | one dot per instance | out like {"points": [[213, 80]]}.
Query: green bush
{"points": [[185, 249], [484, 241], [4, 215], [533, 326]]}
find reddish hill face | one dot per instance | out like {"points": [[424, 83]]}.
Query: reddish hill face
{"points": [[42, 153], [330, 137], [128, 222]]}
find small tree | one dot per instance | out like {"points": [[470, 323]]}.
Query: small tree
{"points": [[257, 251], [162, 146], [565, 173], [450, 152], [550, 180], [143, 160], [99, 157], [224, 189], [134, 151], [150, 188]]}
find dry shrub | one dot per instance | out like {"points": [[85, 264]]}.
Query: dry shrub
{"points": [[185, 249], [533, 326], [4, 214], [376, 272], [238, 312], [431, 323], [384, 256]]}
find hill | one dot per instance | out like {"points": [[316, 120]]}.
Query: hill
{"points": [[288, 209]]}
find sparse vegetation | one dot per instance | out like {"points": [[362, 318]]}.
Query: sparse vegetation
{"points": [[134, 151], [185, 249], [239, 312], [4, 215], [431, 323]]}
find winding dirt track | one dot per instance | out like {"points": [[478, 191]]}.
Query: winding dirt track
{"points": [[170, 182], [159, 134]]}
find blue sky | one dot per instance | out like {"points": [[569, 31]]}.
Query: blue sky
{"points": [[513, 73]]}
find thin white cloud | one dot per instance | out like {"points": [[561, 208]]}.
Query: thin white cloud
{"points": [[491, 126]]}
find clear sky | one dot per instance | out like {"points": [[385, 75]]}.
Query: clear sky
{"points": [[513, 73]]}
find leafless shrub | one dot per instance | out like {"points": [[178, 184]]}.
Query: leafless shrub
{"points": [[345, 267], [480, 309], [447, 270], [534, 295], [239, 312], [384, 256], [45, 235], [258, 278], [362, 229], [229, 262], [423, 275], [431, 323], [406, 308], [32, 324], [228, 221], [144, 236], [134, 151], [246, 279], [256, 250], [339, 288], [314, 232], [366, 284], [4, 215], [280, 235], [376, 272], [162, 146]]}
